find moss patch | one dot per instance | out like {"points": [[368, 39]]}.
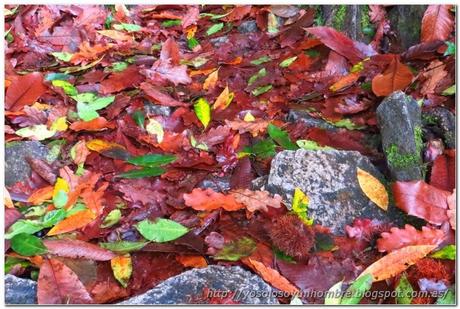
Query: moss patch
{"points": [[339, 18]]}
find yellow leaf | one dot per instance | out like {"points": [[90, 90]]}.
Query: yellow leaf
{"points": [[154, 127], [60, 124], [99, 145], [300, 206], [7, 200], [211, 80], [122, 268], [373, 188], [397, 261], [249, 117], [224, 99], [61, 184]]}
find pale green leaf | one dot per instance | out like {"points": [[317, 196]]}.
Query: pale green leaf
{"points": [[68, 88], [262, 72], [404, 291], [214, 28], [446, 253], [123, 246], [287, 62], [261, 90], [162, 230], [155, 128], [203, 111], [111, 219], [63, 56], [37, 132]]}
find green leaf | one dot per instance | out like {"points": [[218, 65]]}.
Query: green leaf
{"points": [[214, 16], [447, 299], [145, 172], [162, 230], [195, 144], [287, 62], [57, 76], [449, 91], [281, 137], [68, 88], [27, 245], [122, 267], [356, 291], [101, 103], [139, 118], [346, 123], [64, 56], [324, 242], [35, 211], [214, 28], [152, 160], [123, 246], [312, 53], [85, 112], [300, 206], [112, 218], [450, 48], [85, 97], [55, 148], [262, 72], [54, 217], [155, 128], [127, 27], [60, 199], [23, 226], [203, 111], [334, 294], [261, 90], [280, 255], [263, 149], [404, 291], [311, 145], [261, 60], [236, 249], [171, 23], [192, 43], [119, 66], [446, 253], [38, 132], [272, 24], [13, 261]]}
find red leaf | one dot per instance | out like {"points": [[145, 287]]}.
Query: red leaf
{"points": [[295, 32], [238, 13], [11, 215], [396, 77], [24, 90], [170, 51], [443, 172], [78, 249], [409, 236], [419, 199], [160, 97], [118, 81], [437, 23], [97, 124], [338, 42], [191, 17], [58, 284], [422, 51]]}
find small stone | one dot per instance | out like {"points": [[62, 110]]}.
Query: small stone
{"points": [[191, 287], [157, 110], [217, 184], [309, 121], [399, 119], [20, 291], [247, 26], [16, 166], [216, 42], [329, 179]]}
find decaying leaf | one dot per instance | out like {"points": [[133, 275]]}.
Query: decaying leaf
{"points": [[122, 268]]}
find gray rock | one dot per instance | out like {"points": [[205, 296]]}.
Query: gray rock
{"points": [[300, 115], [442, 121], [20, 291], [218, 184], [16, 166], [399, 119], [216, 42], [155, 109], [259, 183], [329, 178], [247, 26], [189, 287]]}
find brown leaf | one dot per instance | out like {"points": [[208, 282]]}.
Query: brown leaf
{"points": [[256, 200], [128, 78], [208, 200], [437, 23], [433, 74], [397, 261], [58, 284], [419, 199], [170, 51], [43, 169], [409, 236], [159, 96], [396, 77], [81, 152], [77, 249], [24, 90]]}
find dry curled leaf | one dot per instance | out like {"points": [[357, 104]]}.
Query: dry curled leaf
{"points": [[256, 200], [409, 236], [397, 261], [373, 188]]}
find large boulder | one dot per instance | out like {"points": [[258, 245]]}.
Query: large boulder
{"points": [[329, 178], [195, 285], [400, 122], [16, 153], [20, 291]]}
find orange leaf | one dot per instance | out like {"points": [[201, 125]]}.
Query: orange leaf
{"points": [[272, 276], [41, 195], [200, 199], [256, 200], [201, 72], [211, 80], [409, 236], [8, 202], [93, 199], [224, 99], [88, 52], [396, 77], [98, 124], [235, 61], [437, 23], [37, 260], [73, 222], [116, 35], [397, 261], [99, 145], [81, 152], [192, 261], [373, 188], [255, 127], [345, 81]]}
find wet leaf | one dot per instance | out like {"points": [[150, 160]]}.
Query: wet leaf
{"points": [[122, 268], [203, 111], [373, 188], [24, 90], [355, 292], [237, 249], [27, 245], [73, 222]]}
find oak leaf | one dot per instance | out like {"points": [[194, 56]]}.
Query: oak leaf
{"points": [[256, 200], [208, 199], [254, 127]]}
